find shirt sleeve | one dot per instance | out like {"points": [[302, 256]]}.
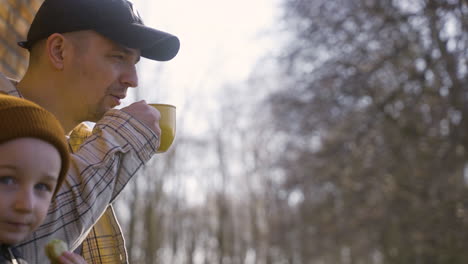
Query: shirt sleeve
{"points": [[101, 167]]}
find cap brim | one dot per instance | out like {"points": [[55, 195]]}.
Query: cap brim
{"points": [[153, 44]]}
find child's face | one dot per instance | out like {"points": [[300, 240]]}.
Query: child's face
{"points": [[29, 170]]}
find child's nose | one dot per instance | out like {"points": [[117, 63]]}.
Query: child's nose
{"points": [[24, 201]]}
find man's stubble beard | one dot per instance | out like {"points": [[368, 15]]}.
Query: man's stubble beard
{"points": [[96, 112]]}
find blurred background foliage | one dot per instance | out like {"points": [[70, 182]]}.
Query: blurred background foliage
{"points": [[357, 152]]}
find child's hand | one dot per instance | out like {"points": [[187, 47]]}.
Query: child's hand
{"points": [[71, 258]]}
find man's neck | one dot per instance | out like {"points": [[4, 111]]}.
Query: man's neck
{"points": [[45, 93]]}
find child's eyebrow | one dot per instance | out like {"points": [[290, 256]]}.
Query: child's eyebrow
{"points": [[49, 178], [8, 166]]}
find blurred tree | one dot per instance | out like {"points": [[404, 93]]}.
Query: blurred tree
{"points": [[376, 119]]}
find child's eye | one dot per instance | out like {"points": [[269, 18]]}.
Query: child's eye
{"points": [[7, 180], [43, 187]]}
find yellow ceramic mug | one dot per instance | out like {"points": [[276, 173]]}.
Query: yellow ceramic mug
{"points": [[167, 123]]}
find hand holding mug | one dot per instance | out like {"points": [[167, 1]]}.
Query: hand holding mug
{"points": [[146, 114], [167, 123]]}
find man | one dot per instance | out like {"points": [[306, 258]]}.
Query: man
{"points": [[82, 60]]}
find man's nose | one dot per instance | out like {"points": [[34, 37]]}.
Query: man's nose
{"points": [[129, 77]]}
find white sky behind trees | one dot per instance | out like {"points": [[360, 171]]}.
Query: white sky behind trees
{"points": [[220, 42]]}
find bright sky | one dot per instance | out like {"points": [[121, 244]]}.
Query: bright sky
{"points": [[220, 42]]}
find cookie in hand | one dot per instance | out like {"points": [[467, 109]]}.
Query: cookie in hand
{"points": [[55, 249]]}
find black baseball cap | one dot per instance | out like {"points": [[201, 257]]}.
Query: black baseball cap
{"points": [[115, 19]]}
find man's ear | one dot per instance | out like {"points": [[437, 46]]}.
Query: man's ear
{"points": [[55, 49]]}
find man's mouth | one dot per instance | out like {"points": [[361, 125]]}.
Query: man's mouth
{"points": [[117, 98]]}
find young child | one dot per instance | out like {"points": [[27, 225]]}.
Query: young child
{"points": [[34, 161]]}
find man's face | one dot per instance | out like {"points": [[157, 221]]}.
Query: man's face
{"points": [[100, 71]]}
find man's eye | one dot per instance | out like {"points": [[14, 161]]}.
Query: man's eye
{"points": [[7, 180], [119, 56]]}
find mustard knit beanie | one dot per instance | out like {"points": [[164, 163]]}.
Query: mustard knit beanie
{"points": [[22, 118]]}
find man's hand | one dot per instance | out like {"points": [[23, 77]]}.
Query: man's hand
{"points": [[146, 114]]}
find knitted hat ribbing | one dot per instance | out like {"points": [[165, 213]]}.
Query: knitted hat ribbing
{"points": [[22, 118]]}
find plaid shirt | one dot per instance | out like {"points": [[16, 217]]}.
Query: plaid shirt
{"points": [[103, 162]]}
